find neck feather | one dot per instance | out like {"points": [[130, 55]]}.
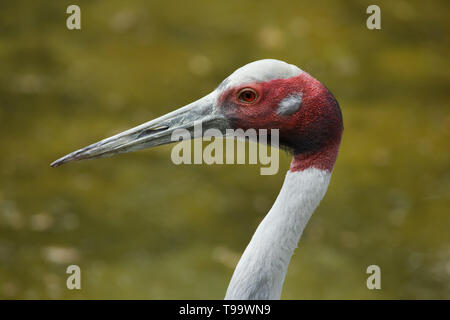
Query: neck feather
{"points": [[262, 268], [323, 159]]}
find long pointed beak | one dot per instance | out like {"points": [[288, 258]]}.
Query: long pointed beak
{"points": [[155, 132]]}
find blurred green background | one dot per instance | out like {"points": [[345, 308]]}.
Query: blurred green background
{"points": [[140, 226]]}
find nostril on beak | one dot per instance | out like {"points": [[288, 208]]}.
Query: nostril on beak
{"points": [[151, 130]]}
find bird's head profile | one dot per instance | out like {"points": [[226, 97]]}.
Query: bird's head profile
{"points": [[265, 94]]}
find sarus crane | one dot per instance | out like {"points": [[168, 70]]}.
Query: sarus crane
{"points": [[265, 94]]}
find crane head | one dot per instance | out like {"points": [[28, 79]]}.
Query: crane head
{"points": [[265, 94]]}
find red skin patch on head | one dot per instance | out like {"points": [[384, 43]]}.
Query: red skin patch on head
{"points": [[313, 132]]}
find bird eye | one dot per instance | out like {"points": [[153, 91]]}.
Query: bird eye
{"points": [[247, 95]]}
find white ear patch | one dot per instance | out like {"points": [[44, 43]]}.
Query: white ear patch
{"points": [[290, 104]]}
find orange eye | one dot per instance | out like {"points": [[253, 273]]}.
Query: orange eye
{"points": [[247, 95]]}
